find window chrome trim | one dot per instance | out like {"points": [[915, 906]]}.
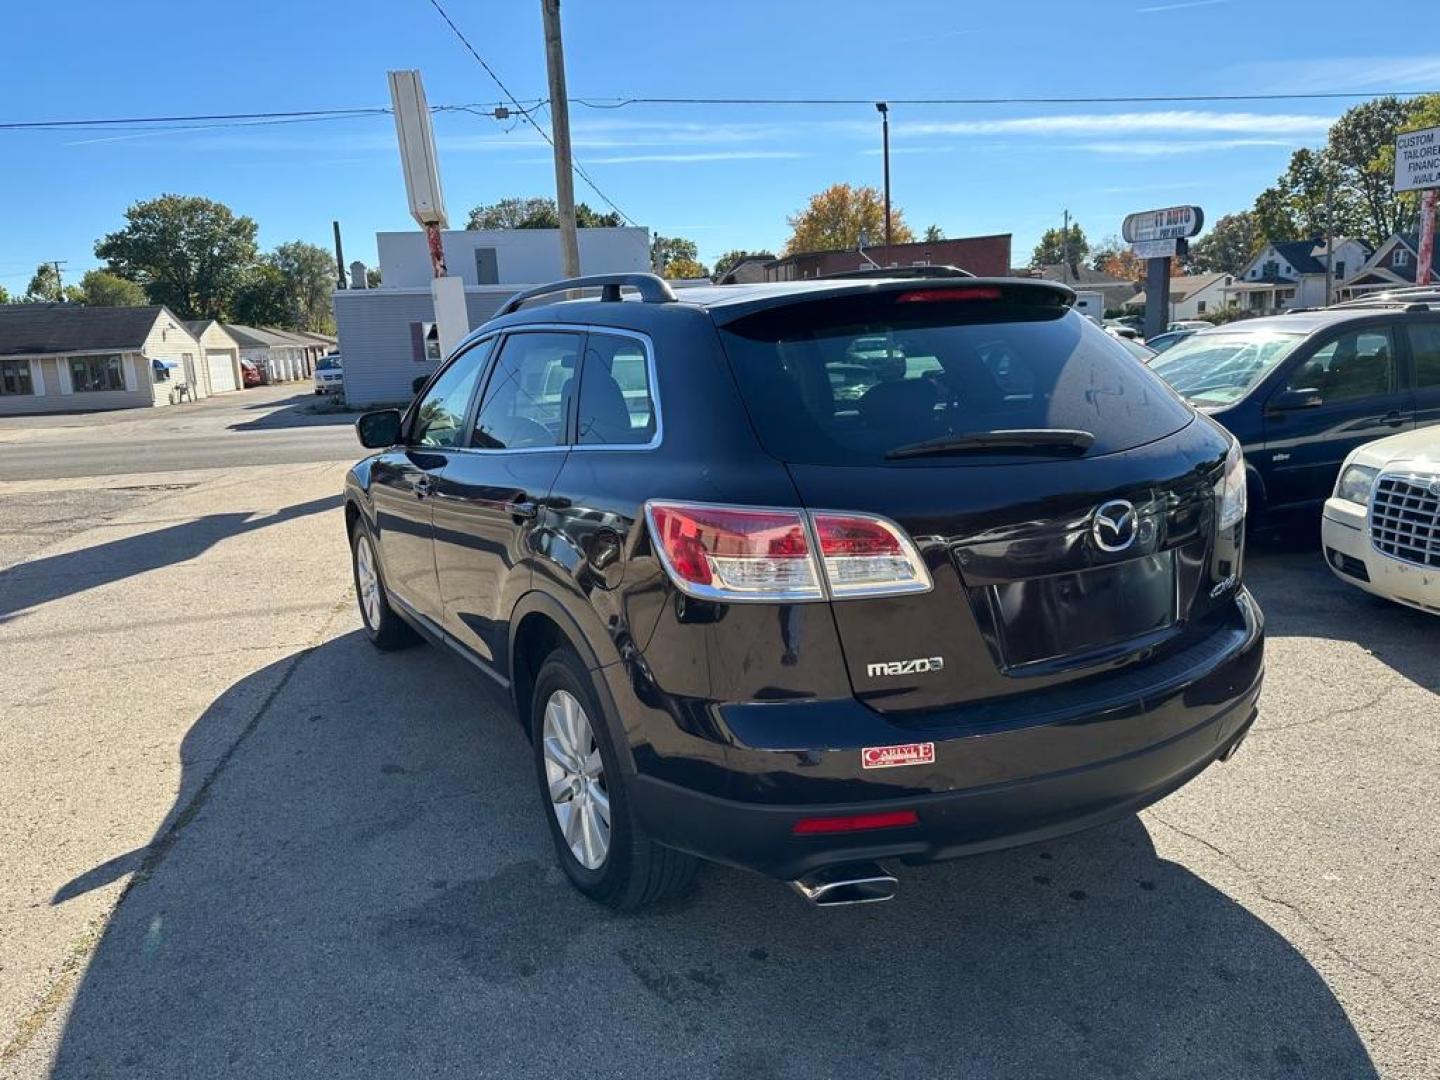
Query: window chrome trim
{"points": [[583, 329]]}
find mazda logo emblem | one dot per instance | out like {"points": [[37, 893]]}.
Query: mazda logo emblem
{"points": [[1114, 527]]}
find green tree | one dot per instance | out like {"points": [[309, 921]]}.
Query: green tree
{"points": [[933, 234], [834, 219], [676, 257], [725, 263], [309, 275], [372, 277], [1229, 245], [1425, 114], [4, 295], [45, 285], [1053, 248], [188, 253], [535, 212], [101, 288], [262, 297]]}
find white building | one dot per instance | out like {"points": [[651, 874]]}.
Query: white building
{"points": [[387, 335], [508, 256], [1193, 296], [1291, 274]]}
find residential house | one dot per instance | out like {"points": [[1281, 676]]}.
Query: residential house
{"points": [[1290, 274], [1193, 296], [73, 358], [1117, 291], [1393, 266], [220, 369], [983, 256], [750, 270], [278, 356]]}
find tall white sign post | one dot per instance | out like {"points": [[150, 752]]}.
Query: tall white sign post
{"points": [[416, 136], [1417, 168]]}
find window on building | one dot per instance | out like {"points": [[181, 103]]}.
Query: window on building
{"points": [[487, 266], [15, 377], [91, 374], [1340, 270], [1200, 307], [1401, 257], [1272, 269]]}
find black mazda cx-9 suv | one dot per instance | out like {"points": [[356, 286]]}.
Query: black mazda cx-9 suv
{"points": [[813, 577]]}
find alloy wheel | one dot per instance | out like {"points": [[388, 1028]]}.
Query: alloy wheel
{"points": [[575, 780]]}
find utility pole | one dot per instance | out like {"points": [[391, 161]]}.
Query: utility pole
{"points": [[560, 132], [1065, 249], [339, 257], [59, 283], [884, 110], [1423, 269], [1329, 243]]}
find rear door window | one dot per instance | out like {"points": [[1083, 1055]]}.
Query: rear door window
{"points": [[616, 407], [847, 380], [1353, 366], [1425, 347]]}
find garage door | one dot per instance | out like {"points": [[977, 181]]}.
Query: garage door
{"points": [[222, 369]]}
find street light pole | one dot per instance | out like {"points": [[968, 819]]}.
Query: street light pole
{"points": [[884, 110]]}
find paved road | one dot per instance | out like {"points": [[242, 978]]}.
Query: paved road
{"points": [[337, 865], [270, 425]]}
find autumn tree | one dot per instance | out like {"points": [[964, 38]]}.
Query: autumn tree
{"points": [[834, 219], [187, 252], [1115, 258], [1229, 245]]}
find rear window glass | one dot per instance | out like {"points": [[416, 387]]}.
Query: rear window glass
{"points": [[847, 380]]}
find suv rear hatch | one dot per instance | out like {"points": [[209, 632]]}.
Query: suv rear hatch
{"points": [[1061, 496]]}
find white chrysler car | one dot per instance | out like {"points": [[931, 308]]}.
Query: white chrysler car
{"points": [[1381, 530]]}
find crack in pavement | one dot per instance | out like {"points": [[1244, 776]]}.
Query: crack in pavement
{"points": [[1333, 714], [1417, 1012]]}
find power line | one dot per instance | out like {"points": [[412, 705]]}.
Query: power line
{"points": [[575, 166], [1126, 99]]}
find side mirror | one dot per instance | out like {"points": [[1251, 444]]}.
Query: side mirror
{"points": [[379, 429], [1290, 400]]}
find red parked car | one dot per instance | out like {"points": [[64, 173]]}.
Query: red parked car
{"points": [[250, 374]]}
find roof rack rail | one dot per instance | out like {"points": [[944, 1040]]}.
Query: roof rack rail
{"points": [[652, 289], [898, 272], [1410, 297]]}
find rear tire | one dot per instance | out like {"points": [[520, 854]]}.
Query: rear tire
{"points": [[600, 843], [386, 630]]}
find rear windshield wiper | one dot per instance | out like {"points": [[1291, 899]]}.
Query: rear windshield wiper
{"points": [[1012, 440]]}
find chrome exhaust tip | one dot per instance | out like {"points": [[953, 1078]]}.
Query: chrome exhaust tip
{"points": [[852, 883]]}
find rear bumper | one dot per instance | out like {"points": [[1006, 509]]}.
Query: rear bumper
{"points": [[984, 791], [1353, 559]]}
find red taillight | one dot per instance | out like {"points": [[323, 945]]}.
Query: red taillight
{"points": [[733, 551], [933, 296], [815, 826], [739, 553]]}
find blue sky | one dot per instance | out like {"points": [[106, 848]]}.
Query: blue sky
{"points": [[725, 176]]}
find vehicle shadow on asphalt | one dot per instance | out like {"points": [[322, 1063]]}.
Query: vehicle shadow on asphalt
{"points": [[365, 887], [29, 584], [303, 410], [1302, 597]]}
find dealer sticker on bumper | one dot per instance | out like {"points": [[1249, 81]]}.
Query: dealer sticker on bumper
{"points": [[888, 757]]}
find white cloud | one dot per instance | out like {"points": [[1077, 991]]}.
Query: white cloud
{"points": [[1342, 74], [1166, 147], [1170, 122], [709, 155], [1181, 4]]}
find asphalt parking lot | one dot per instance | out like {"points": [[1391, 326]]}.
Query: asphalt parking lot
{"points": [[245, 844]]}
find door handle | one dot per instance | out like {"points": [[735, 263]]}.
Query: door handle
{"points": [[1392, 419], [524, 508]]}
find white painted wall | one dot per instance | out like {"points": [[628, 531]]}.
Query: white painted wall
{"points": [[523, 256]]}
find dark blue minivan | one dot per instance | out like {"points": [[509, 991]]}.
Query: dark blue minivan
{"points": [[1301, 390]]}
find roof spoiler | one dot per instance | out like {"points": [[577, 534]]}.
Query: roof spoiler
{"points": [[652, 289], [898, 272]]}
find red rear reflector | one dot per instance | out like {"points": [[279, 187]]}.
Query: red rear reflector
{"points": [[813, 826], [930, 296]]}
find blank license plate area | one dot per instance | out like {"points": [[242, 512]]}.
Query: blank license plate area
{"points": [[1049, 617]]}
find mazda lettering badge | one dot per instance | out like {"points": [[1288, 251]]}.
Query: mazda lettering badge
{"points": [[1114, 527]]}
